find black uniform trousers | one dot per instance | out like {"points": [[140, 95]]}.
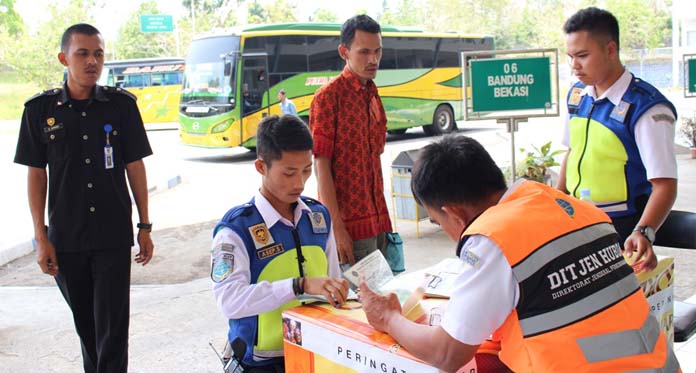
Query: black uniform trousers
{"points": [[96, 286]]}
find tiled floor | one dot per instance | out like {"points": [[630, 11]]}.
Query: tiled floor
{"points": [[686, 351]]}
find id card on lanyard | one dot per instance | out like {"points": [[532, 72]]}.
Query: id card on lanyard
{"points": [[108, 150]]}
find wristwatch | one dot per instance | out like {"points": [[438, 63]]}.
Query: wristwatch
{"points": [[145, 226], [646, 231]]}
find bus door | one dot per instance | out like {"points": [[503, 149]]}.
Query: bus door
{"points": [[254, 98]]}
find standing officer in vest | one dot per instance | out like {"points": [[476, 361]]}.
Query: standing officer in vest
{"points": [[273, 249], [620, 136], [91, 138], [553, 287]]}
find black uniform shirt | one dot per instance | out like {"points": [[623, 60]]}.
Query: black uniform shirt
{"points": [[89, 206]]}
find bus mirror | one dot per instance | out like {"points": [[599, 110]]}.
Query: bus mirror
{"points": [[228, 68]]}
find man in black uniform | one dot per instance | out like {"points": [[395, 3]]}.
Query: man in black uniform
{"points": [[91, 137]]}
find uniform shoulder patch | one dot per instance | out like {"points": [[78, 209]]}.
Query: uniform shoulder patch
{"points": [[566, 206], [222, 267], [575, 96], [119, 90], [318, 221], [470, 258], [222, 248], [665, 118], [261, 235], [48, 92], [620, 111]]}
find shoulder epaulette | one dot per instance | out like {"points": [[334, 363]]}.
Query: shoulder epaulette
{"points": [[244, 209], [109, 89], [310, 201], [48, 92], [644, 87]]}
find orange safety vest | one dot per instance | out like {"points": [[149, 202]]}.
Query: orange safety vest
{"points": [[580, 308]]}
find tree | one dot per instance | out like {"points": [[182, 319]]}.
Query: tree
{"points": [[643, 24], [10, 19], [257, 14], [34, 56], [407, 13], [132, 43], [323, 15], [281, 11]]}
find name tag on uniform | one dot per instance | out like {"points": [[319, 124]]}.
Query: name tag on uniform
{"points": [[108, 150], [108, 157], [318, 222]]}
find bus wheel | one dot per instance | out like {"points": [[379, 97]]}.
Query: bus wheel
{"points": [[443, 122], [398, 131]]}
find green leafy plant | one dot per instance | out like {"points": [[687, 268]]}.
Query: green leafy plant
{"points": [[537, 161], [688, 130]]}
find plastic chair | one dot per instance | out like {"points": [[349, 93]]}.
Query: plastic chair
{"points": [[679, 232]]}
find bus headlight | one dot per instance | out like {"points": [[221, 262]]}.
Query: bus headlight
{"points": [[222, 127]]}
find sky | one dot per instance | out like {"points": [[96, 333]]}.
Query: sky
{"points": [[112, 14]]}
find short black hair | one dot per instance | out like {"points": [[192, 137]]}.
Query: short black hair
{"points": [[79, 28], [598, 22], [276, 135], [455, 170], [361, 22]]}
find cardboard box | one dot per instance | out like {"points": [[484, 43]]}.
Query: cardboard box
{"points": [[319, 338]]}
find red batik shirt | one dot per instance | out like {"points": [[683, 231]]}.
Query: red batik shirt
{"points": [[350, 128]]}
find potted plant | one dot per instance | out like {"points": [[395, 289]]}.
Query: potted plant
{"points": [[688, 131], [536, 163]]}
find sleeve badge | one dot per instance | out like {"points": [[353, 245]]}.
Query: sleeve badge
{"points": [[222, 267]]}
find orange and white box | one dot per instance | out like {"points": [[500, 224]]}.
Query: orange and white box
{"points": [[320, 338]]}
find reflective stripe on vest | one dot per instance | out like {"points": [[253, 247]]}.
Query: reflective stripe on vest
{"points": [[611, 346], [581, 309], [559, 247], [671, 365], [540, 259]]}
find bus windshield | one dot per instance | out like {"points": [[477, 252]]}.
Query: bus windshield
{"points": [[210, 71]]}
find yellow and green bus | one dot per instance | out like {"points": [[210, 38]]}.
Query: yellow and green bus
{"points": [[231, 80], [156, 82]]}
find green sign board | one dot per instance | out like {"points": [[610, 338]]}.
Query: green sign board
{"points": [[156, 23], [692, 75], [511, 84]]}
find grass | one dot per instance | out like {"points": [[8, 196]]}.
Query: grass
{"points": [[13, 93]]}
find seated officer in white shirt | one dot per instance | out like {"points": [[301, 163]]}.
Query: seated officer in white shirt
{"points": [[273, 249], [545, 276]]}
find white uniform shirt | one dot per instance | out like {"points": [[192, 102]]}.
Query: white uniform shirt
{"points": [[655, 139], [235, 296], [485, 294]]}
